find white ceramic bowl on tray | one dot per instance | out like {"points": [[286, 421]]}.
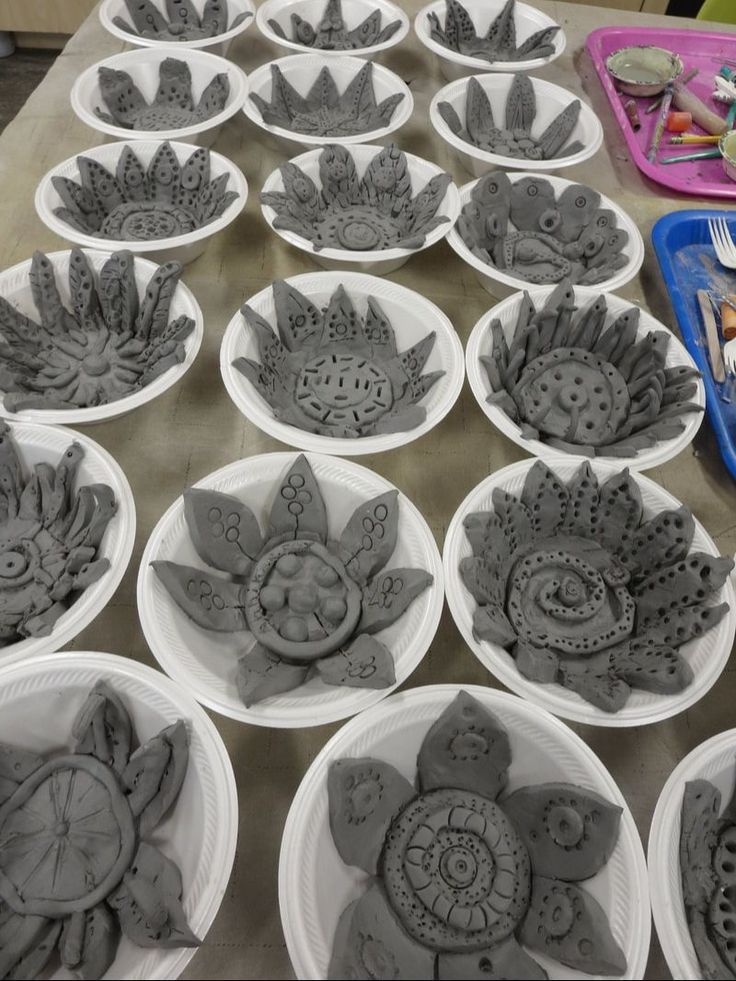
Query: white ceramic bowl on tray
{"points": [[47, 444], [706, 655], [500, 284], [219, 44], [39, 700], [379, 261], [205, 662], [184, 247], [15, 287], [480, 344], [412, 318], [551, 101], [315, 885], [453, 65], [302, 71], [354, 12], [142, 64]]}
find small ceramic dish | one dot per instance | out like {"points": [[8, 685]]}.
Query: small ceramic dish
{"points": [[218, 44], [501, 285], [366, 227], [643, 70], [16, 289], [353, 12], [184, 247], [301, 72], [453, 65], [143, 65], [551, 101], [412, 318]]}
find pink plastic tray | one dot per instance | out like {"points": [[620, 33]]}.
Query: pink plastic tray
{"points": [[704, 50]]}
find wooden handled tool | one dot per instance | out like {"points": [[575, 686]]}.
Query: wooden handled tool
{"points": [[711, 336]]}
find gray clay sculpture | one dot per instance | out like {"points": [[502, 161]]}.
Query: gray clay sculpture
{"points": [[464, 877], [76, 873], [524, 230], [110, 344], [374, 213], [173, 106], [330, 32], [334, 372], [514, 138], [323, 111], [708, 872], [585, 591], [499, 41], [311, 603], [181, 22], [141, 204], [567, 379], [50, 535]]}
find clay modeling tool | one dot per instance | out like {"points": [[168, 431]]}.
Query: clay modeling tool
{"points": [[686, 157], [708, 120], [688, 77], [632, 111], [661, 122], [711, 336]]}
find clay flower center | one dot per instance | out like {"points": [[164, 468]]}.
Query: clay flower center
{"points": [[12, 564], [96, 364], [343, 389], [145, 220]]}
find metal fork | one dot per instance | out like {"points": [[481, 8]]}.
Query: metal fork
{"points": [[722, 242]]}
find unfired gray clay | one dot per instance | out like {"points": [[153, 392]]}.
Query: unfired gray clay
{"points": [[50, 534], [570, 381], [341, 375], [585, 592], [164, 200], [515, 138], [525, 231], [330, 33], [181, 22], [75, 874], [109, 345], [459, 876], [173, 105], [498, 43], [323, 111], [373, 213], [311, 603]]}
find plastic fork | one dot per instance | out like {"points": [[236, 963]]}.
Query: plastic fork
{"points": [[729, 356], [722, 242]]}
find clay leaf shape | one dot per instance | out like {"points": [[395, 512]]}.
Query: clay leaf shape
{"points": [[181, 21], [223, 530], [103, 728], [155, 773], [499, 43], [330, 33], [89, 941]]}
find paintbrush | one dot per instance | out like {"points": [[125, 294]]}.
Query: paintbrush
{"points": [[658, 101], [661, 122], [685, 157]]}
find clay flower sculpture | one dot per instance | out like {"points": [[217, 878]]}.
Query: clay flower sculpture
{"points": [[312, 604], [323, 111], [76, 872], [582, 387], [141, 204], [586, 592], [330, 32], [523, 229], [515, 138], [181, 23], [173, 105], [50, 539], [464, 879], [376, 212], [334, 372], [108, 346], [499, 41], [707, 848]]}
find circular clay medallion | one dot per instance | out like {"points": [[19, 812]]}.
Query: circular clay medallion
{"points": [[343, 390]]}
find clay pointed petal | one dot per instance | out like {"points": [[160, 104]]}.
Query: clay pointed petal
{"points": [[694, 579], [521, 104], [299, 320], [553, 139], [369, 538], [145, 16], [378, 331], [298, 510], [163, 173], [212, 602], [285, 99], [661, 541], [223, 530], [262, 674], [478, 112], [450, 116], [505, 960], [679, 626], [581, 517], [323, 93], [89, 942], [342, 326], [653, 667], [389, 595], [366, 33], [26, 943], [546, 499], [388, 31], [119, 293], [102, 727], [620, 510], [467, 748], [366, 663], [410, 363], [490, 623], [155, 774]]}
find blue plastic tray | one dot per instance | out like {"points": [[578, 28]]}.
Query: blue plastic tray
{"points": [[688, 263]]}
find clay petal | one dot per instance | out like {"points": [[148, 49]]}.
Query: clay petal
{"points": [[378, 331], [491, 623], [605, 691], [389, 595], [131, 176], [538, 44], [102, 727], [556, 135], [692, 580], [323, 92], [659, 542], [485, 583], [298, 510], [388, 31], [299, 321], [546, 499], [679, 626], [466, 748], [213, 98], [423, 209], [145, 16], [620, 511], [581, 517], [342, 326], [478, 111], [212, 602], [89, 942], [401, 420], [653, 667], [365, 663], [338, 176], [163, 174], [521, 104], [118, 293], [450, 117], [261, 674], [701, 804], [392, 193], [505, 960], [515, 518], [155, 774], [285, 99], [223, 530], [485, 534], [102, 185], [26, 943], [364, 797], [369, 537], [709, 958], [366, 33]]}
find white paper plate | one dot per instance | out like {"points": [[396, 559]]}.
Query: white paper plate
{"points": [[500, 284], [411, 316], [706, 655], [480, 343], [15, 287], [218, 44], [713, 760], [39, 700], [46, 444], [205, 662], [315, 885]]}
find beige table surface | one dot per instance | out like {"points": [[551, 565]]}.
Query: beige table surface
{"points": [[194, 429]]}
